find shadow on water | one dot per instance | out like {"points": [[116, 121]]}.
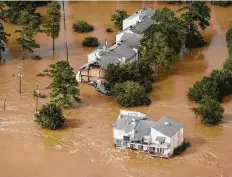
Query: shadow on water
{"points": [[196, 143]]}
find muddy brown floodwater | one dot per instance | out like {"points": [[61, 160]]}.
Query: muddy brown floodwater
{"points": [[84, 148]]}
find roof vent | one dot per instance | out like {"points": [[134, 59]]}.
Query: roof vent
{"points": [[167, 123]]}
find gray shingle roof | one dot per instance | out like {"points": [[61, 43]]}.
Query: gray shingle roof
{"points": [[142, 12], [143, 128], [126, 122], [140, 27], [131, 40], [167, 126]]}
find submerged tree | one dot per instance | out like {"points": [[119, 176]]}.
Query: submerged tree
{"points": [[50, 116], [130, 94], [52, 25], [64, 87], [118, 18], [196, 14], [210, 111], [29, 29], [170, 25], [16, 7], [159, 52], [3, 34]]}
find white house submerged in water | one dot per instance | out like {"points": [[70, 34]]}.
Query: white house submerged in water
{"points": [[158, 138], [125, 49]]}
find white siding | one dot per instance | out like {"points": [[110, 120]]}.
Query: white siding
{"points": [[155, 134], [92, 57], [118, 134]]}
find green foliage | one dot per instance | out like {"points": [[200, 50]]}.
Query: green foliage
{"points": [[210, 111], [118, 18], [90, 42], [82, 26], [16, 7], [182, 148], [29, 29], [108, 30], [64, 87], [196, 13], [215, 86], [130, 94], [50, 117], [229, 39], [221, 3], [228, 63], [159, 52], [137, 71], [174, 28], [3, 39], [52, 25]]}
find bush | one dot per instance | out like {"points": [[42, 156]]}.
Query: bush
{"points": [[90, 42], [130, 94], [82, 26], [215, 86], [109, 30], [50, 116], [137, 71], [228, 64], [182, 148], [210, 111]]}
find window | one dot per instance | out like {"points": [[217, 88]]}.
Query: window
{"points": [[118, 143]]}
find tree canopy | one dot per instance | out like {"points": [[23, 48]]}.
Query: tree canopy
{"points": [[64, 87], [196, 14], [137, 71], [50, 116], [210, 111], [170, 25], [228, 63], [118, 18], [3, 39], [159, 52], [16, 7], [130, 94], [215, 86], [29, 29], [52, 25]]}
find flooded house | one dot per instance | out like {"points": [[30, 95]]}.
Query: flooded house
{"points": [[157, 138], [137, 16], [98, 60], [125, 49]]}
